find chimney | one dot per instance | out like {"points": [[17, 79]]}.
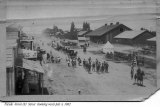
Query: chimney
{"points": [[111, 23], [106, 24], [117, 23]]}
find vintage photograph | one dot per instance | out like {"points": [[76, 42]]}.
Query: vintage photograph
{"points": [[94, 50]]}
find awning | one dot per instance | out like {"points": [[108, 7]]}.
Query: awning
{"points": [[32, 65]]}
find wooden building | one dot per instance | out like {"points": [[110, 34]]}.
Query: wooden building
{"points": [[82, 39], [107, 33], [23, 76], [29, 78], [12, 35], [134, 37]]}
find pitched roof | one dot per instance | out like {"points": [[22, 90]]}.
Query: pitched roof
{"points": [[108, 45], [104, 29], [82, 32], [130, 34]]}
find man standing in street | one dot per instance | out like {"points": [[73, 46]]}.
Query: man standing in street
{"points": [[132, 72], [93, 66]]}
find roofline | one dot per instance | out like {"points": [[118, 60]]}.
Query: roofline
{"points": [[116, 27], [144, 32], [110, 30], [132, 37], [120, 25], [84, 33]]}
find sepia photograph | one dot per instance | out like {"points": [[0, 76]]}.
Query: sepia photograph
{"points": [[78, 50]]}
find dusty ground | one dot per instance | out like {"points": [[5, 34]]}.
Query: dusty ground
{"points": [[63, 80], [116, 85]]}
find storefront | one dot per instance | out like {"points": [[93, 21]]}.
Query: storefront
{"points": [[27, 43], [29, 78]]}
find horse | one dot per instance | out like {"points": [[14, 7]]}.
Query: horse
{"points": [[139, 77]]}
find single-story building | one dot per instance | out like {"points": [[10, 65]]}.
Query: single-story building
{"points": [[134, 37], [82, 39], [107, 32]]}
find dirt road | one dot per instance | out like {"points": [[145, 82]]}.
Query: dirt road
{"points": [[63, 80]]}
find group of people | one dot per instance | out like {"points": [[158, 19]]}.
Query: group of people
{"points": [[138, 76], [44, 57], [51, 59], [71, 62], [95, 66], [89, 65]]}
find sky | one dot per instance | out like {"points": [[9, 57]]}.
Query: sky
{"points": [[24, 9], [135, 13]]}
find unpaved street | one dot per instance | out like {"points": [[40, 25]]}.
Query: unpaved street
{"points": [[63, 80]]}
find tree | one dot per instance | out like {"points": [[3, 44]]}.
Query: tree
{"points": [[86, 26], [73, 32], [47, 31], [55, 30], [61, 31], [72, 27]]}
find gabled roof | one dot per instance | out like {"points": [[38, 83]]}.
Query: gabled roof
{"points": [[80, 33], [129, 34], [108, 45], [104, 29]]}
